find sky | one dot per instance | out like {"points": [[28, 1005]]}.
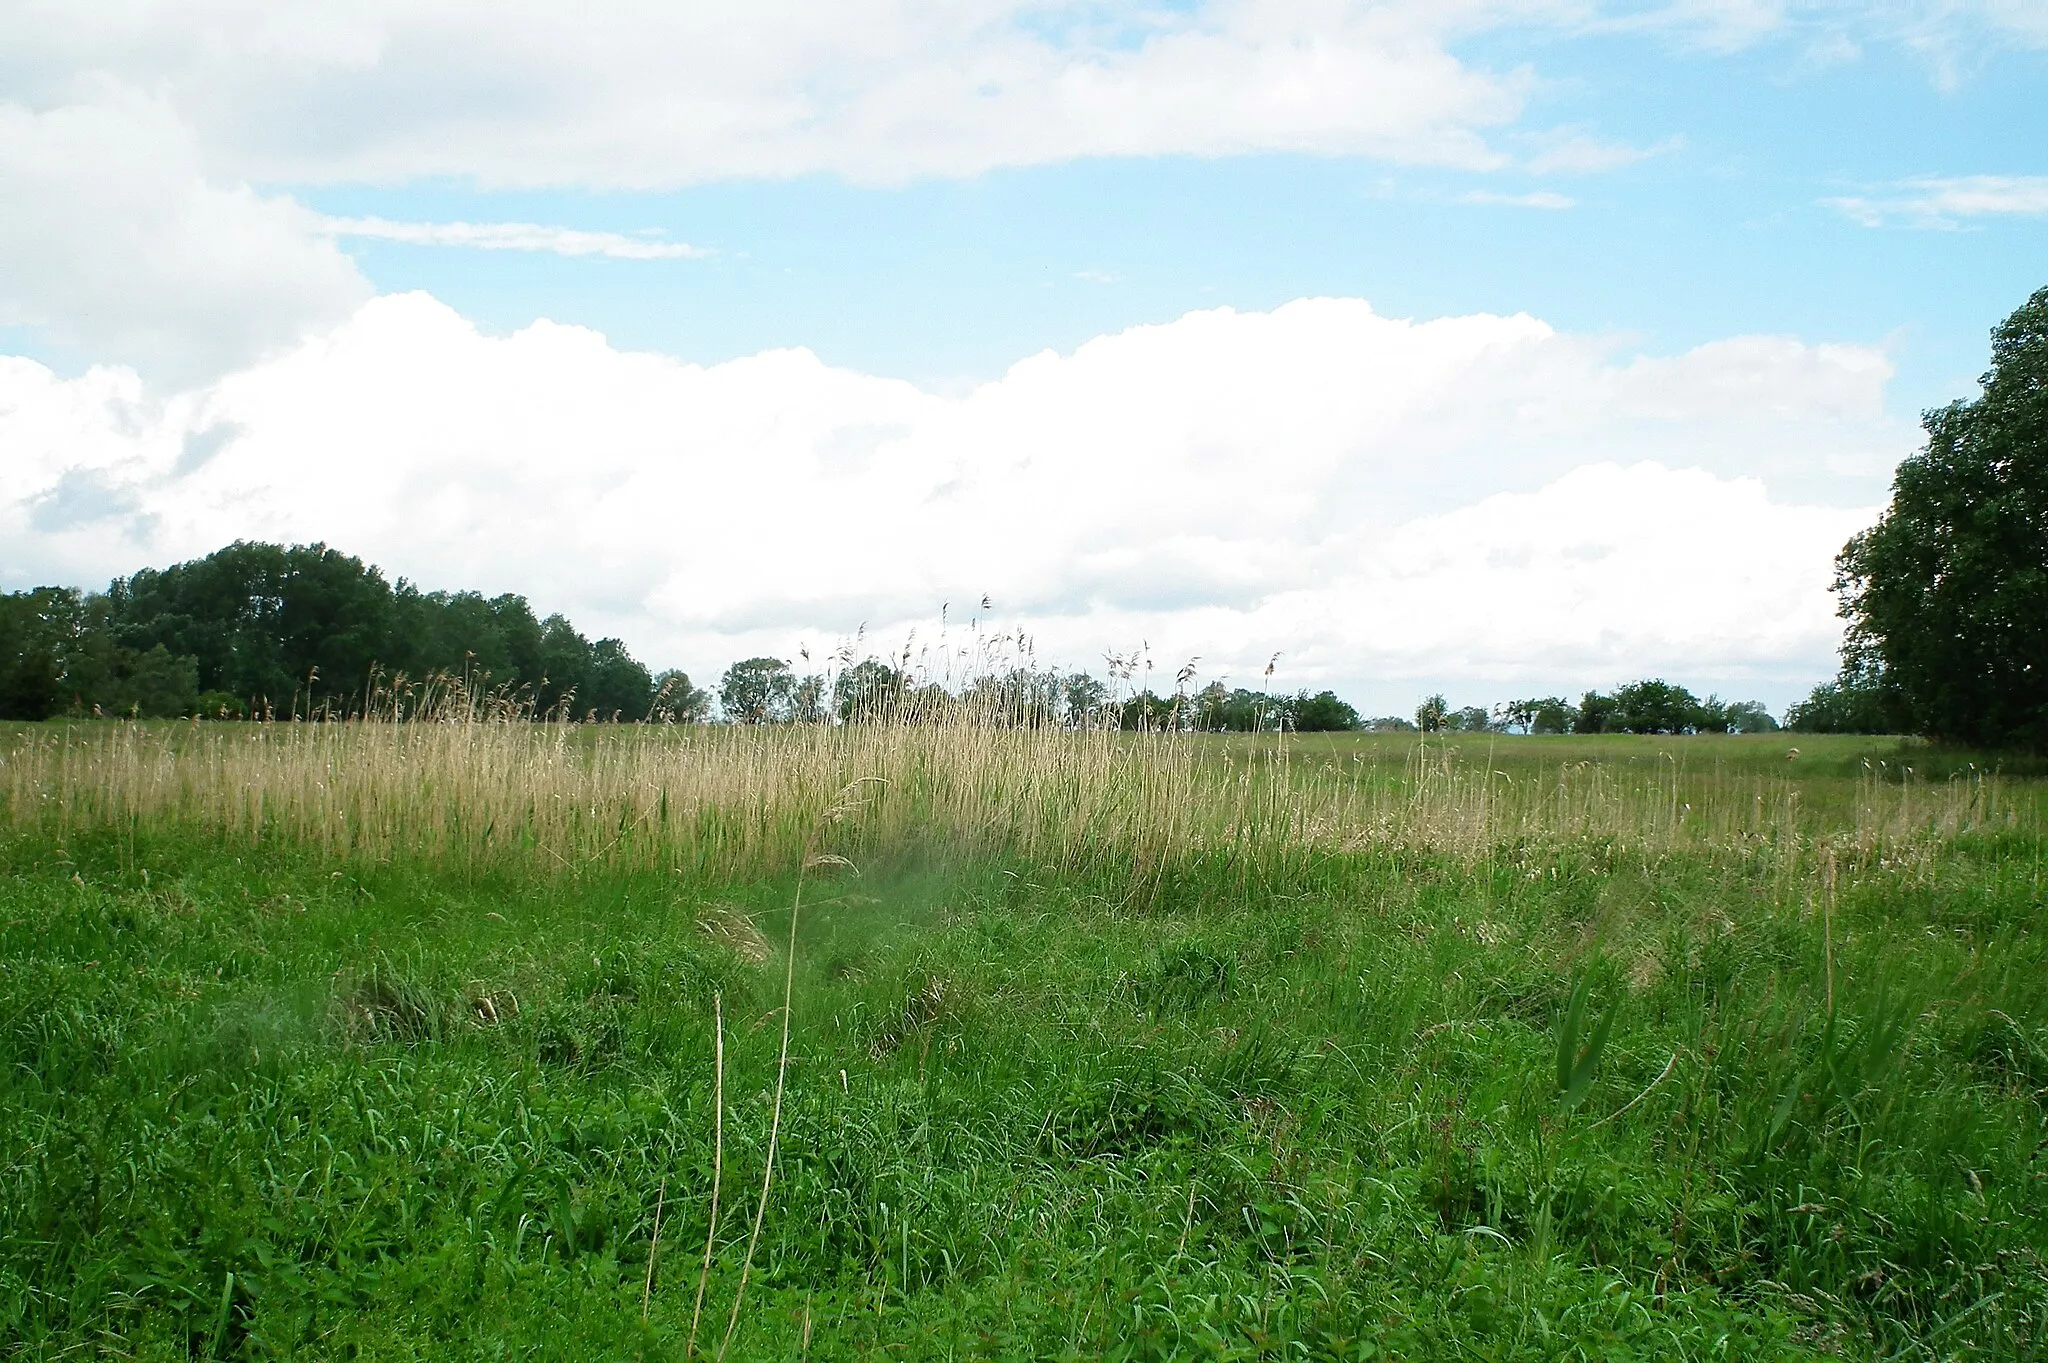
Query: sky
{"points": [[1494, 349]]}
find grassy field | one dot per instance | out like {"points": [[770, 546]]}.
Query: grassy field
{"points": [[401, 1041]]}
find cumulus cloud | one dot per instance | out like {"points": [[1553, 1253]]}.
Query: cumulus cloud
{"points": [[116, 243], [1390, 503], [1949, 201], [515, 236]]}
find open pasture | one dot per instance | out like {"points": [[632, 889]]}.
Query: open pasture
{"points": [[401, 1040]]}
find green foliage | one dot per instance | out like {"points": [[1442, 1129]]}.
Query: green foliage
{"points": [[1150, 713], [1944, 594], [59, 655], [1433, 714], [263, 621], [262, 629], [869, 690], [1086, 700], [1654, 707], [1322, 713], [1596, 714], [1659, 707], [757, 691], [1537, 715], [1576, 1057], [1749, 717], [1017, 696], [38, 631], [1217, 709], [1856, 702], [676, 701]]}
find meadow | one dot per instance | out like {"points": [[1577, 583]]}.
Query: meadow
{"points": [[472, 1039]]}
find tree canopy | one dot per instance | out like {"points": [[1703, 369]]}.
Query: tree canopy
{"points": [[274, 629], [1947, 594]]}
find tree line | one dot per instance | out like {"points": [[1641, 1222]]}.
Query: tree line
{"points": [[265, 630], [273, 631]]}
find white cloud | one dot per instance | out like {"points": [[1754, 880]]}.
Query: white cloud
{"points": [[876, 90], [130, 135], [1947, 201], [1569, 152], [114, 241], [1470, 499], [514, 236]]}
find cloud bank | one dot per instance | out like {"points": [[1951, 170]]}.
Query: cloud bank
{"points": [[1314, 481]]}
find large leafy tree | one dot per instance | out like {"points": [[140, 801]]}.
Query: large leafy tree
{"points": [[1323, 713], [1947, 595], [676, 701], [757, 691], [38, 632], [1656, 707], [870, 689], [616, 685]]}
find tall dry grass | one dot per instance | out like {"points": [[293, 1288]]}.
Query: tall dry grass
{"points": [[733, 801]]}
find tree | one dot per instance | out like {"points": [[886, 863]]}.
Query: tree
{"points": [[1947, 595], [1750, 717], [278, 625], [1085, 700], [1323, 713], [757, 691], [1217, 710], [1148, 712], [615, 686], [1854, 703], [1020, 696], [869, 690], [488, 642], [1595, 710], [564, 670], [1654, 707], [808, 700], [1432, 714], [1469, 719], [676, 701], [37, 632], [1538, 715], [58, 654]]}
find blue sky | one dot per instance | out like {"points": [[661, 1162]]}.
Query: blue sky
{"points": [[1725, 228], [1753, 239]]}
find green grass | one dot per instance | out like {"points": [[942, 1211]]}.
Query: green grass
{"points": [[1576, 1098]]}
